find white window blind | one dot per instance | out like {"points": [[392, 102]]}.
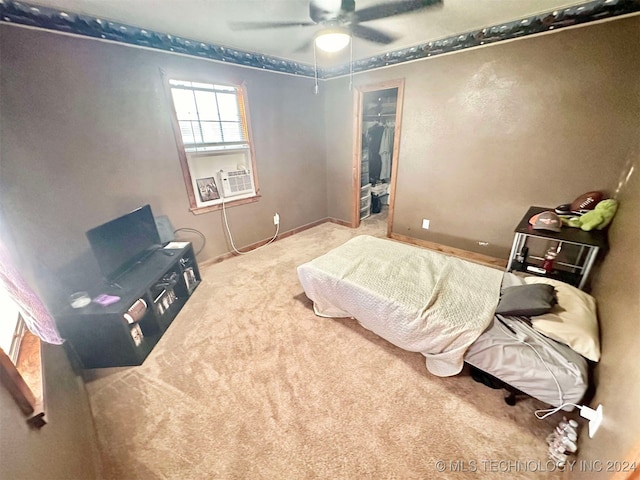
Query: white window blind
{"points": [[210, 116]]}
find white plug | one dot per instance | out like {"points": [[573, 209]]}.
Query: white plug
{"points": [[276, 219], [594, 417]]}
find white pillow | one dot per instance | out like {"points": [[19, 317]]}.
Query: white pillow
{"points": [[573, 321]]}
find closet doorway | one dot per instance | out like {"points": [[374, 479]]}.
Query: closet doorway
{"points": [[377, 123]]}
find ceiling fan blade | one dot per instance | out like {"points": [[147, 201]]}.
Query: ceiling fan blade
{"points": [[265, 25], [372, 34], [390, 9], [305, 46], [330, 10]]}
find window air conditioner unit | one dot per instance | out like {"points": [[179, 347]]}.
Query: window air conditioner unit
{"points": [[236, 182]]}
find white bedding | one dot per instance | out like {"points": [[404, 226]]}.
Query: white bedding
{"points": [[417, 299]]}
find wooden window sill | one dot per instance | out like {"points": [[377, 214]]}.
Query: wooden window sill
{"points": [[29, 364], [229, 203]]}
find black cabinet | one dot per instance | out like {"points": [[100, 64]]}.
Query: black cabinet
{"points": [[151, 295]]}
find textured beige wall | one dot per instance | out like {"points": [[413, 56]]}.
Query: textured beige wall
{"points": [[489, 132], [617, 289], [86, 137], [339, 138], [65, 448]]}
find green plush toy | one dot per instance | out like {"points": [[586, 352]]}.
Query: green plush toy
{"points": [[597, 218]]}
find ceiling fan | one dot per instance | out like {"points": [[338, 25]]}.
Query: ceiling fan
{"points": [[340, 20]]}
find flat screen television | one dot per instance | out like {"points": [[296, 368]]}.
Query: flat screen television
{"points": [[120, 243]]}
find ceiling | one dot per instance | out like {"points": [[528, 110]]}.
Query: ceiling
{"points": [[207, 21]]}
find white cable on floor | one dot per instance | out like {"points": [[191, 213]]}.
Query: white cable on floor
{"points": [[226, 224], [551, 411]]}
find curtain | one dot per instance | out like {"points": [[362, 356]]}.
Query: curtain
{"points": [[35, 314]]}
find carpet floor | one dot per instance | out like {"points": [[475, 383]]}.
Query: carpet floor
{"points": [[249, 383]]}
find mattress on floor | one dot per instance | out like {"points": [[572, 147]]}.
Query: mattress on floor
{"points": [[388, 287], [418, 299]]}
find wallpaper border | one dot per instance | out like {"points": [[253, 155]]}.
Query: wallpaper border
{"points": [[22, 13]]}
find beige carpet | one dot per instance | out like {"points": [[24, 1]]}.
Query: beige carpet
{"points": [[249, 383]]}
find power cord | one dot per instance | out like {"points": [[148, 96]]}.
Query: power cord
{"points": [[197, 232], [226, 224], [560, 392], [542, 414], [595, 417]]}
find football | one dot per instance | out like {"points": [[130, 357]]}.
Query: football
{"points": [[586, 201]]}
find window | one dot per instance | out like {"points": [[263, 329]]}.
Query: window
{"points": [[214, 143], [210, 116], [11, 326]]}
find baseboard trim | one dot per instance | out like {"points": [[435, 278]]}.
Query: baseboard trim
{"points": [[288, 233], [456, 252], [339, 222]]}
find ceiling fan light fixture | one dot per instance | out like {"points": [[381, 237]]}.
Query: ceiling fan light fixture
{"points": [[332, 40]]}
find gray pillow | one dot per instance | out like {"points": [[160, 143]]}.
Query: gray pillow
{"points": [[527, 300]]}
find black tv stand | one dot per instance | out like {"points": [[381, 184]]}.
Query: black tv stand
{"points": [[124, 333]]}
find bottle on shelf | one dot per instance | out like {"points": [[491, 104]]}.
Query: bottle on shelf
{"points": [[549, 258]]}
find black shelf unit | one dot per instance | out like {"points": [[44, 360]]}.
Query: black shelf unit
{"points": [[571, 278], [579, 249], [101, 336]]}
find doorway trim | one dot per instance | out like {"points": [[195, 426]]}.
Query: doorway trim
{"points": [[358, 109]]}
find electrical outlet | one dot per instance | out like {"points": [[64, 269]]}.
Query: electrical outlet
{"points": [[276, 219], [425, 223]]}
